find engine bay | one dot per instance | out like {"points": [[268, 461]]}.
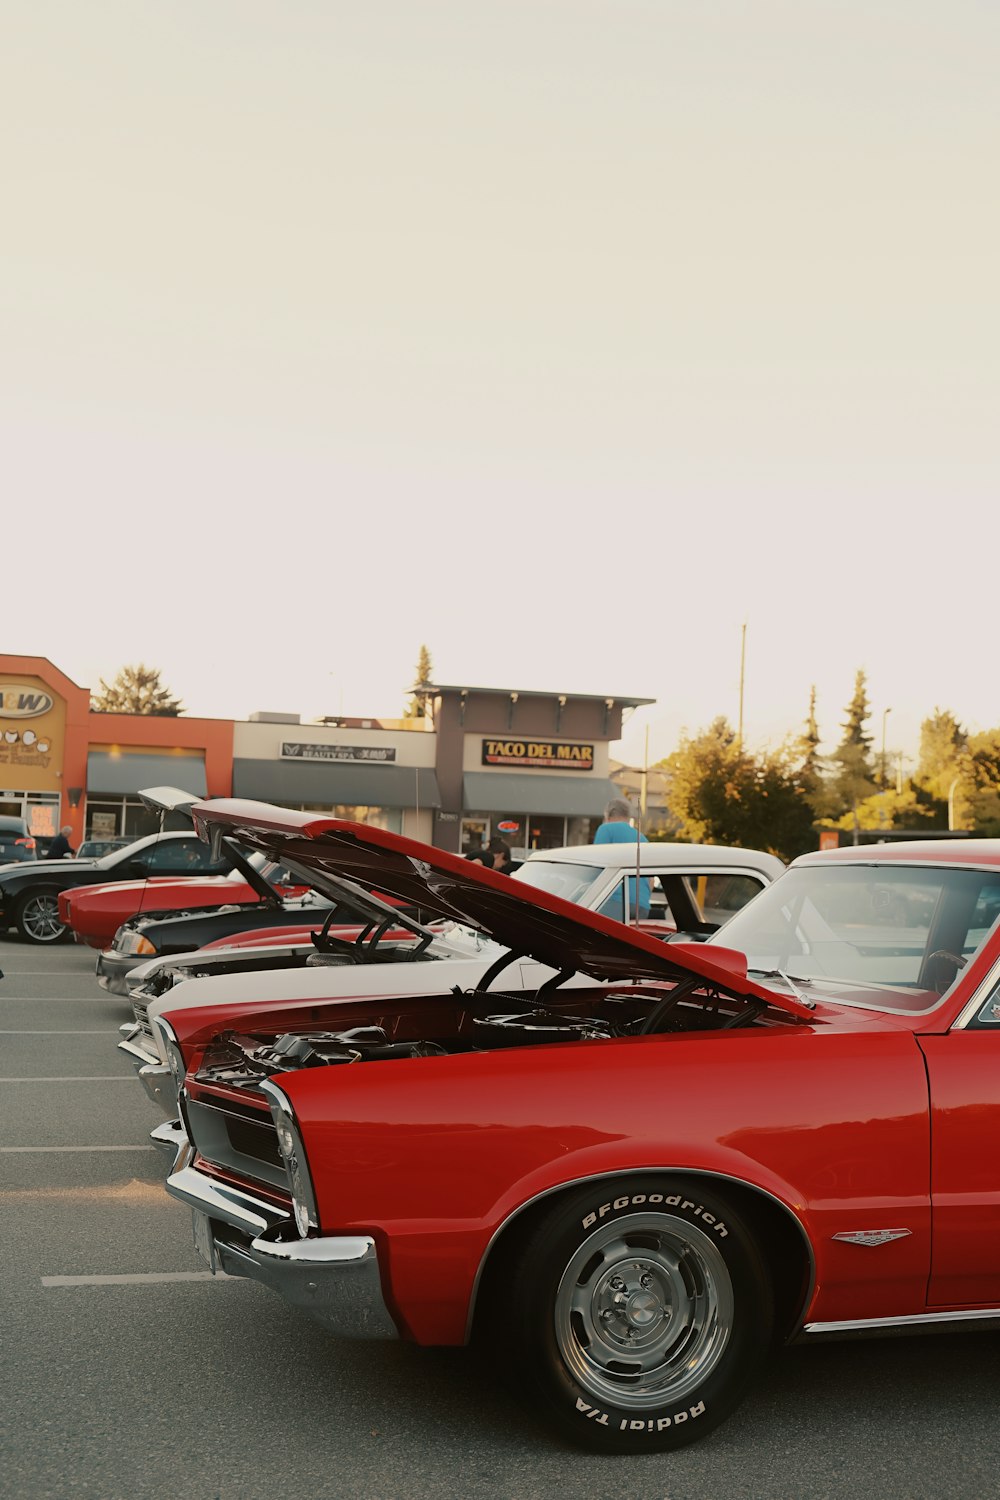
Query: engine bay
{"points": [[238, 1059]]}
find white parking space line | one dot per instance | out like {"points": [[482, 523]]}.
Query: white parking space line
{"points": [[139, 1279], [16, 1150], [60, 1031], [77, 1078]]}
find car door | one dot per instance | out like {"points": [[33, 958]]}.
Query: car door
{"points": [[963, 1070]]}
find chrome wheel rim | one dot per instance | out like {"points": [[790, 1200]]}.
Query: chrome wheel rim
{"points": [[40, 918], [644, 1311]]}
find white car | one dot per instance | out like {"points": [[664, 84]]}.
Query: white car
{"points": [[681, 888]]}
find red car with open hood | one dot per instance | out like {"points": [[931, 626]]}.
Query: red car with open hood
{"points": [[637, 1177]]}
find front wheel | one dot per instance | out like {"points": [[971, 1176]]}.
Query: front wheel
{"points": [[639, 1311], [38, 917]]}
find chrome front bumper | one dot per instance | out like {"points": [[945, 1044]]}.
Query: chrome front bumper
{"points": [[113, 970], [154, 1075], [335, 1278]]}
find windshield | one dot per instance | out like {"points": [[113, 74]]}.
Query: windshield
{"points": [[892, 937], [571, 882]]}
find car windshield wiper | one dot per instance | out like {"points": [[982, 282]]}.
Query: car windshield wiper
{"points": [[792, 980]]}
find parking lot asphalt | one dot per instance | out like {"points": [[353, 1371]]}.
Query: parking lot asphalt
{"points": [[128, 1371]]}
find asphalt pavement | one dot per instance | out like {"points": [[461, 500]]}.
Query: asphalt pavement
{"points": [[127, 1371]]}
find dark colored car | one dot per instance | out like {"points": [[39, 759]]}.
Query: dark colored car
{"points": [[29, 892], [16, 843], [155, 934]]}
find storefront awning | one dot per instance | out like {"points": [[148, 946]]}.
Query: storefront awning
{"points": [[123, 775], [329, 784], [579, 796]]}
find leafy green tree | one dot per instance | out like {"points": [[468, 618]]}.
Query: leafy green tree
{"points": [[977, 800], [136, 690], [943, 754], [419, 706], [721, 793]]}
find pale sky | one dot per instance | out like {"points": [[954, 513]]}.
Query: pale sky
{"points": [[565, 336]]}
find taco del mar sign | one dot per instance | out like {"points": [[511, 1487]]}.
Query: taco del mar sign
{"points": [[539, 754]]}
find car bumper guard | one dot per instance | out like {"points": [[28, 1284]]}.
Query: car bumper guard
{"points": [[334, 1278]]}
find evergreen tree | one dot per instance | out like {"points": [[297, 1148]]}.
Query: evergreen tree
{"points": [[136, 690], [419, 706], [853, 779]]}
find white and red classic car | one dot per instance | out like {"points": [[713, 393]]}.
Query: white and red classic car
{"points": [[633, 1187]]}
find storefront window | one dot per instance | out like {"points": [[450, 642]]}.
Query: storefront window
{"points": [[533, 831], [125, 817], [581, 830]]}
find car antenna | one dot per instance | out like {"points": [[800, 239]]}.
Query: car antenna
{"points": [[638, 862]]}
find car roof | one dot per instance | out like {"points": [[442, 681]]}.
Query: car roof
{"points": [[912, 852], [12, 824], [683, 856]]}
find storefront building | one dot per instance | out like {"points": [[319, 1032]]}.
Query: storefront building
{"points": [[368, 772], [532, 767], [62, 764]]}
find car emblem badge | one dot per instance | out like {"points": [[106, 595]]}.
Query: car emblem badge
{"points": [[872, 1236]]}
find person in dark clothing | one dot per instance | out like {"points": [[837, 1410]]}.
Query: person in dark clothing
{"points": [[60, 846]]}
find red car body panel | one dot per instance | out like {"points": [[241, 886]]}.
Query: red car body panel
{"points": [[839, 1118], [96, 912]]}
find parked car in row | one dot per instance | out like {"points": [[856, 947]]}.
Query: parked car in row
{"points": [[29, 893], [95, 913], [16, 843], [630, 1187]]}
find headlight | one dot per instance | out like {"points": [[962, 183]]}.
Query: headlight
{"points": [[294, 1157], [134, 942], [170, 1048]]}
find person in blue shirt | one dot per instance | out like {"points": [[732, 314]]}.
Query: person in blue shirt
{"points": [[616, 829]]}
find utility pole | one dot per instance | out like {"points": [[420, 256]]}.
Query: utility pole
{"points": [[743, 663]]}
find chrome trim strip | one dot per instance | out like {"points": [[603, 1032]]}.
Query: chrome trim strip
{"points": [[140, 1055], [251, 1216], [560, 1187], [971, 1010], [171, 1136], [918, 1320]]}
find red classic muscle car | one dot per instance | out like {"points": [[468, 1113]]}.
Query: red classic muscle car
{"points": [[630, 1191], [96, 912]]}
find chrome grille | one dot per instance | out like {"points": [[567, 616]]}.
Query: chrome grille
{"points": [[243, 1140], [141, 1012]]}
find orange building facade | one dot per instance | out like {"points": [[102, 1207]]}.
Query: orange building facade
{"points": [[62, 764]]}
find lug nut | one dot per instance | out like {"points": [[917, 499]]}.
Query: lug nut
{"points": [[645, 1280], [616, 1284]]}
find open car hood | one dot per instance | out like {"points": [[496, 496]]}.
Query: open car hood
{"points": [[173, 799], [350, 861]]}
